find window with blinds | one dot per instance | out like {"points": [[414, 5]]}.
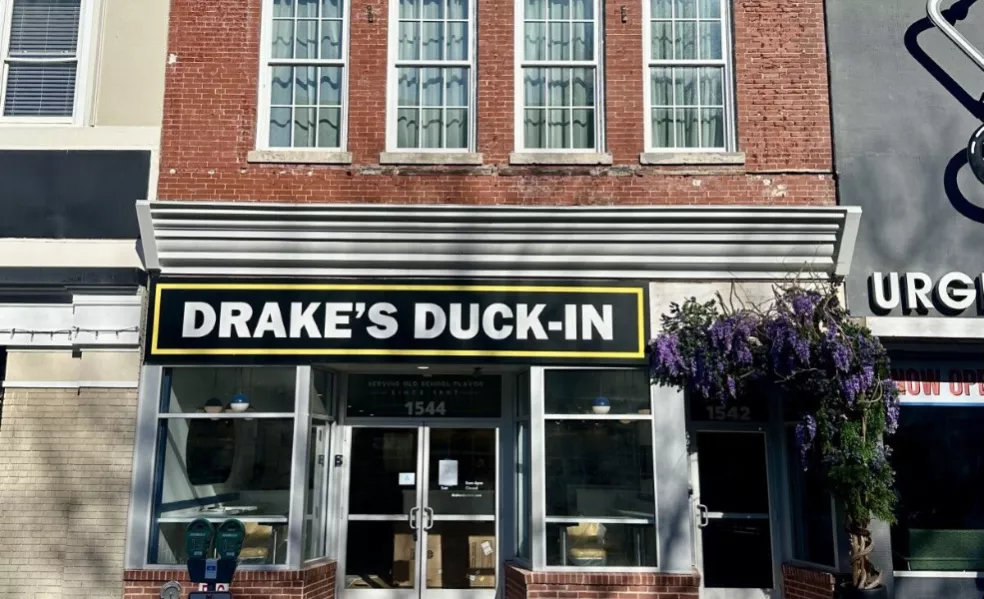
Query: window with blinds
{"points": [[40, 58]]}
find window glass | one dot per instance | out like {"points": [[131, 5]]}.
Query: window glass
{"points": [[196, 390], [225, 468], [595, 544], [523, 490], [316, 497], [322, 392], [812, 510], [601, 468], [596, 392], [938, 455]]}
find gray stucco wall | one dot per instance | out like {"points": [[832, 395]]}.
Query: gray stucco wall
{"points": [[905, 102]]}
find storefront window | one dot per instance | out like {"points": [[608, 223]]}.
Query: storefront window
{"points": [[319, 450], [598, 469], [812, 509], [225, 446], [939, 461]]}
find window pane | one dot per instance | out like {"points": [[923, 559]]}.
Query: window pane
{"points": [[686, 87], [534, 128], [583, 131], [592, 544], [305, 133], [712, 127], [433, 41], [712, 87], [406, 128], [687, 134], [523, 490], [535, 39], [225, 468], [409, 9], [686, 40], [331, 9], [812, 517], [534, 9], [330, 91], [583, 41], [283, 8], [457, 9], [431, 128], [599, 468], [329, 127], [584, 9], [408, 87], [596, 392], [534, 86], [559, 9], [264, 544], [663, 127], [40, 89], [457, 41], [686, 9], [558, 87], [709, 9], [937, 456], [661, 9], [316, 496], [280, 127], [662, 86], [662, 48], [322, 392], [433, 9], [559, 128], [432, 87], [457, 128], [457, 87], [283, 39], [306, 40], [305, 86], [409, 41], [559, 44], [197, 390], [583, 80], [45, 27], [710, 40], [331, 39], [307, 8]]}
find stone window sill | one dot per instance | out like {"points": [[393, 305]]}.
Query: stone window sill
{"points": [[431, 158], [692, 158], [561, 158], [299, 157]]}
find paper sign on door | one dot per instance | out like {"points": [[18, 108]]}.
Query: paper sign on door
{"points": [[447, 473], [407, 479]]}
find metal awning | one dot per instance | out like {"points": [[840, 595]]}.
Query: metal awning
{"points": [[384, 240]]}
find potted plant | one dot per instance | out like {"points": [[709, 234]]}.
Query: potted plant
{"points": [[829, 369]]}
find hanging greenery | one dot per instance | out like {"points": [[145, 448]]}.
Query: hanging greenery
{"points": [[830, 370]]}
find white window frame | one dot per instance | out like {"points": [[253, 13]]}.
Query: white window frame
{"points": [[83, 69], [520, 62], [539, 519], [264, 81], [726, 61], [392, 80]]}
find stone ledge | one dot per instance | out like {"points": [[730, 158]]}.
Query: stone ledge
{"points": [[561, 158], [692, 158], [299, 157], [431, 158]]}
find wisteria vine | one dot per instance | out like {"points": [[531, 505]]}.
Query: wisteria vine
{"points": [[831, 372]]}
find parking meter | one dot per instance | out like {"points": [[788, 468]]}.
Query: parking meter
{"points": [[209, 573]]}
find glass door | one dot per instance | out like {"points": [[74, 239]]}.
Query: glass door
{"points": [[733, 511], [421, 512]]}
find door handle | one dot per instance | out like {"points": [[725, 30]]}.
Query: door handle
{"points": [[413, 517], [702, 519], [428, 518]]}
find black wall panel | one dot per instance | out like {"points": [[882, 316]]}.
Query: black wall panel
{"points": [[59, 194]]}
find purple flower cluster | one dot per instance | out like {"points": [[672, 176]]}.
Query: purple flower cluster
{"points": [[788, 349], [804, 303], [890, 395], [834, 347], [666, 355], [806, 432]]}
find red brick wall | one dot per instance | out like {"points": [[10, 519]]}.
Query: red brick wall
{"points": [[522, 584], [315, 582], [806, 583], [783, 118]]}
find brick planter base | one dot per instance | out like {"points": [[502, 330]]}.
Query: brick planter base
{"points": [[522, 584], [808, 583], [314, 582]]}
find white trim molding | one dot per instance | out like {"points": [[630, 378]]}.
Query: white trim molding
{"points": [[916, 327], [111, 321], [651, 242], [134, 384]]}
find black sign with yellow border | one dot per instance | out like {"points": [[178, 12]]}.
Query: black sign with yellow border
{"points": [[248, 321]]}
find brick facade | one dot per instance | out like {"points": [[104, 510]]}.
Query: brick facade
{"points": [[522, 584], [313, 582], [782, 117], [65, 460], [807, 583]]}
